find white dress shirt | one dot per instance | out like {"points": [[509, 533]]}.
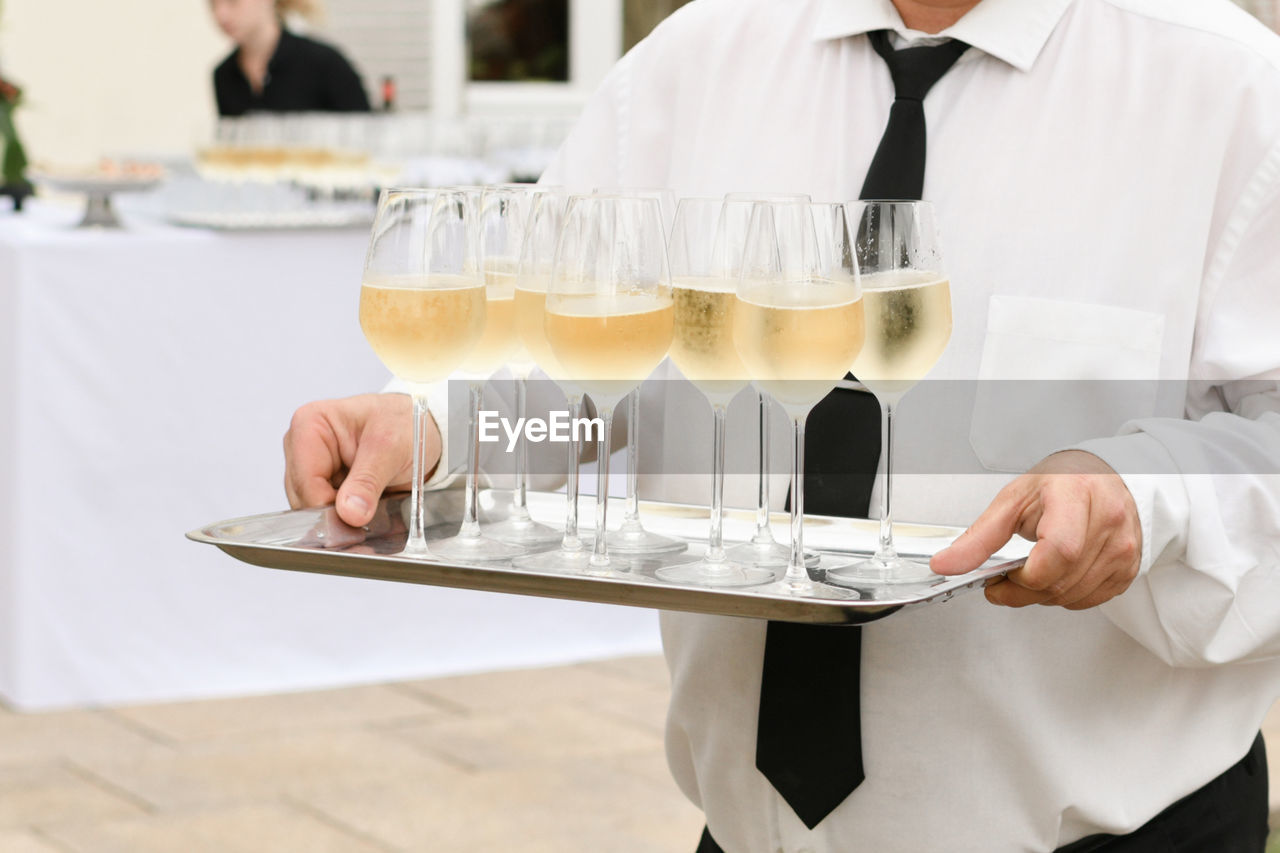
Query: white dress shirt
{"points": [[1106, 175]]}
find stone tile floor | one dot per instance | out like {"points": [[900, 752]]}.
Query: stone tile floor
{"points": [[562, 759]]}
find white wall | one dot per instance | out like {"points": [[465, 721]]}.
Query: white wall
{"points": [[111, 76], [384, 37]]}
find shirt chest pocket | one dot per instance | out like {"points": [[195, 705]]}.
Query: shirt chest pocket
{"points": [[1056, 373]]}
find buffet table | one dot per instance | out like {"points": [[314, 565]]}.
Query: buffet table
{"points": [[149, 375]]}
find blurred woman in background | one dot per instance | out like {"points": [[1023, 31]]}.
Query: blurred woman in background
{"points": [[275, 70]]}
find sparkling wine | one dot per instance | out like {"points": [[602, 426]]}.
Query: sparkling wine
{"points": [[798, 341], [608, 345], [908, 327], [703, 345], [499, 343], [422, 333], [531, 323]]}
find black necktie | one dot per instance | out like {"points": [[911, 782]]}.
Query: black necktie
{"points": [[897, 170], [808, 742]]}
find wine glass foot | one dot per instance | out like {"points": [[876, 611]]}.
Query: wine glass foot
{"points": [[800, 583], [472, 549], [523, 531], [558, 560], [808, 588], [768, 555], [636, 567], [723, 573], [580, 562], [882, 570], [416, 551], [632, 539]]}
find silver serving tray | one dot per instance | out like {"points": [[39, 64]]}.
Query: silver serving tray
{"points": [[315, 540]]}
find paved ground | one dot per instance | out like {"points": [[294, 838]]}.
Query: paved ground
{"points": [[564, 759]]}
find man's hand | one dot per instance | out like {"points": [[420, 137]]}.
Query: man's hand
{"points": [[1085, 525], [347, 452]]}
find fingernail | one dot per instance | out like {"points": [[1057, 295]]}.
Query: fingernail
{"points": [[357, 504]]}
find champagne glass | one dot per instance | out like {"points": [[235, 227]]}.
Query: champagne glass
{"points": [[666, 201], [798, 326], [532, 279], [631, 537], [704, 287], [907, 299], [453, 247], [505, 217], [835, 244], [421, 319], [610, 316], [763, 549]]}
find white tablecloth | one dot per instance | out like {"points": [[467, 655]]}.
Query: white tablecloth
{"points": [[148, 376]]}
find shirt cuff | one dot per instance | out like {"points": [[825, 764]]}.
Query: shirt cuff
{"points": [[438, 407], [1155, 481]]}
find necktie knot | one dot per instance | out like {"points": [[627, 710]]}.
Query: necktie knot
{"points": [[916, 69], [897, 170]]}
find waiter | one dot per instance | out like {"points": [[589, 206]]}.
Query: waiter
{"points": [[273, 69], [1106, 175]]}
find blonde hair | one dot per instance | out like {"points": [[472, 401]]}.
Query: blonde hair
{"points": [[312, 10]]}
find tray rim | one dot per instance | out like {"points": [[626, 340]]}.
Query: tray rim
{"points": [[640, 592]]}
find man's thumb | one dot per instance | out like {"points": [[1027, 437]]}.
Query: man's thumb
{"points": [[375, 465]]}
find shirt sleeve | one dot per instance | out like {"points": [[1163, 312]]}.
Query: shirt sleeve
{"points": [[591, 155], [623, 137], [1208, 488]]}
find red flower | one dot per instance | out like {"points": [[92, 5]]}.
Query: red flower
{"points": [[9, 92]]}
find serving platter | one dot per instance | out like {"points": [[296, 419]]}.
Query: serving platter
{"points": [[305, 219], [98, 188], [317, 541]]}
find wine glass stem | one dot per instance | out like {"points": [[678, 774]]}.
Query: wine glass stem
{"points": [[519, 509], [886, 551], [600, 552], [631, 517], [715, 545], [797, 577], [471, 508], [764, 533], [571, 541], [417, 538]]}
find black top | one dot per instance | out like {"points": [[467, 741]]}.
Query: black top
{"points": [[302, 76]]}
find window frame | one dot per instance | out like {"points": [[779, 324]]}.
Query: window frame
{"points": [[595, 44]]}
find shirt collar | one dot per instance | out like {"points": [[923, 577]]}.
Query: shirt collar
{"points": [[1014, 31]]}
